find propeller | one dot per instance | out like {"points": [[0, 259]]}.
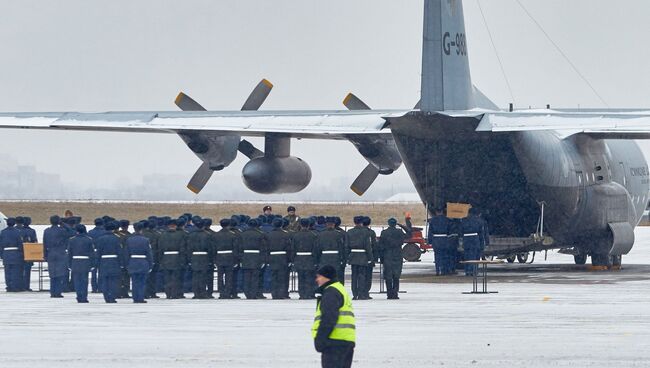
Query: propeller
{"points": [[370, 173], [253, 102]]}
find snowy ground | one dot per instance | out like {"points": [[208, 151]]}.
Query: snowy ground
{"points": [[549, 314]]}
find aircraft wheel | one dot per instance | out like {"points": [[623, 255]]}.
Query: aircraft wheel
{"points": [[617, 261], [411, 252], [522, 258], [580, 259], [511, 259]]}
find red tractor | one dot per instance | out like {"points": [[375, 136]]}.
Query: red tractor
{"points": [[414, 247]]}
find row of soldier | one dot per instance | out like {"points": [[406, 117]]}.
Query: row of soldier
{"points": [[243, 251]]}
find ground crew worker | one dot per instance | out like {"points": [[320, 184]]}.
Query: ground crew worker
{"points": [[438, 237], [139, 261], [199, 253], [294, 220], [390, 253], [359, 256], [125, 280], [149, 231], [11, 250], [252, 254], [279, 245], [207, 224], [304, 259], [473, 237], [54, 243], [373, 242], [95, 233], [334, 328], [109, 256], [330, 249], [225, 244], [81, 258], [172, 262]]}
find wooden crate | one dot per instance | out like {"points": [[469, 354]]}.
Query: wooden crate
{"points": [[458, 210], [34, 252]]}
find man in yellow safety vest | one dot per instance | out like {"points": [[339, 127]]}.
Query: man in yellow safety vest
{"points": [[334, 327]]}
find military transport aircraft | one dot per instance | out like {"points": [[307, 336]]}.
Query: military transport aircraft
{"points": [[575, 180]]}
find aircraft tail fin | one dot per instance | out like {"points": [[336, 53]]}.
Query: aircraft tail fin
{"points": [[446, 79]]}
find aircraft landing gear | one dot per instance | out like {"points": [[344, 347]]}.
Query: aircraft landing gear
{"points": [[522, 258], [580, 259], [511, 259]]}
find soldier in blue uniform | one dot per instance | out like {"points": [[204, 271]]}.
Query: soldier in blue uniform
{"points": [[29, 236], [279, 243], [438, 237], [252, 255], [452, 255], [11, 250], [54, 242], [109, 256], [81, 258], [95, 233], [139, 261], [473, 239]]}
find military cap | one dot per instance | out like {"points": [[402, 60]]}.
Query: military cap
{"points": [[80, 228], [11, 221], [320, 219], [291, 209], [110, 226], [234, 221], [253, 223], [196, 219], [207, 222], [304, 222], [20, 220], [267, 208], [225, 223], [357, 219], [172, 222], [55, 220], [125, 223], [138, 226], [330, 220], [152, 224], [392, 221], [181, 221], [366, 221], [28, 221], [99, 222], [337, 221]]}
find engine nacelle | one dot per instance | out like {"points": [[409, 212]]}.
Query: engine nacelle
{"points": [[269, 175]]}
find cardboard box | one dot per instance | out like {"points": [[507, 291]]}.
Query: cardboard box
{"points": [[34, 252], [458, 210]]}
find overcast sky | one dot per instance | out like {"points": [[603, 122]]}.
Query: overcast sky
{"points": [[137, 55]]}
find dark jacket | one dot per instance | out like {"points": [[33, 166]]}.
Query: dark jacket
{"points": [[225, 246], [330, 301], [81, 253], [279, 244], [96, 232], [472, 231], [172, 245], [137, 254], [390, 246], [330, 241], [253, 249], [199, 251], [11, 246], [54, 241], [439, 227], [304, 250], [109, 254], [359, 247], [28, 234], [153, 236]]}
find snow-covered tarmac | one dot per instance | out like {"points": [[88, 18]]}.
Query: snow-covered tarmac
{"points": [[549, 314]]}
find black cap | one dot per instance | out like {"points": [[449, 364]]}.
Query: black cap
{"points": [[366, 221], [357, 219], [327, 271], [224, 222], [110, 226], [291, 209], [138, 226], [330, 220], [181, 221], [253, 223], [125, 223], [207, 222], [11, 221], [304, 222], [172, 222], [20, 220], [28, 221], [99, 222]]}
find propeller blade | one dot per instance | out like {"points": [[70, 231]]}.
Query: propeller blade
{"points": [[200, 178], [258, 96], [365, 180], [248, 150], [186, 103], [353, 102]]}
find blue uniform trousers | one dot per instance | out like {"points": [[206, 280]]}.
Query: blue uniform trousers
{"points": [[94, 283], [27, 275], [13, 277], [57, 285], [138, 286], [80, 280], [109, 285]]}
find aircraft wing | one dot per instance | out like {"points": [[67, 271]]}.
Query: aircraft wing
{"points": [[606, 125], [296, 124]]}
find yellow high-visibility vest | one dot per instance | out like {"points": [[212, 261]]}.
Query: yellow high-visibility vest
{"points": [[344, 329]]}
